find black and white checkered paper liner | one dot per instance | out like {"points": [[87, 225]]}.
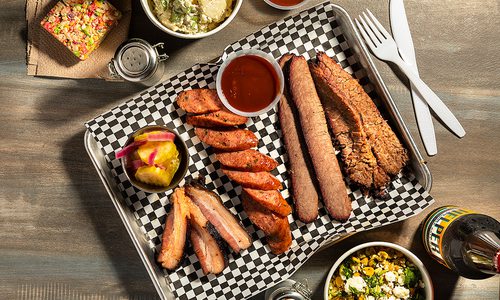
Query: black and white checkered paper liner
{"points": [[256, 268]]}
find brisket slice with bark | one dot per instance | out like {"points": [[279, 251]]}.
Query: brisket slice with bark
{"points": [[304, 192], [390, 154], [359, 162], [313, 123]]}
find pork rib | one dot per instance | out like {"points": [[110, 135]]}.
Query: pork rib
{"points": [[218, 215], [206, 241], [313, 123], [174, 235]]}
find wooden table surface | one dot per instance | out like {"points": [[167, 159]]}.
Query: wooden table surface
{"points": [[61, 237]]}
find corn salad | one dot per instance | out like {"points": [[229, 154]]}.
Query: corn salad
{"points": [[376, 273]]}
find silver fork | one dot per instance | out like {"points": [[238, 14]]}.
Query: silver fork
{"points": [[384, 47]]}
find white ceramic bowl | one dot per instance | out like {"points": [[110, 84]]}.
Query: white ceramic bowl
{"points": [[283, 7], [148, 9], [429, 293], [276, 68]]}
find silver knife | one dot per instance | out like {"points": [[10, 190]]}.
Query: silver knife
{"points": [[402, 36]]}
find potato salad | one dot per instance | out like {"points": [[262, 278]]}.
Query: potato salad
{"points": [[192, 16], [377, 273]]}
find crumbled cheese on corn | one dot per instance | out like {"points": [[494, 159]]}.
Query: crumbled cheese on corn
{"points": [[390, 276], [356, 283], [401, 292]]}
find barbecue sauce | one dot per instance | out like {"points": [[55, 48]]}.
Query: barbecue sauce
{"points": [[464, 241], [286, 2], [250, 83]]}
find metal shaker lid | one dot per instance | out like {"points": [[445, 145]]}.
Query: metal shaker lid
{"points": [[136, 60], [289, 290]]}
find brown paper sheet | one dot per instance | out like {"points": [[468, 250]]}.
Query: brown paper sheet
{"points": [[48, 57]]}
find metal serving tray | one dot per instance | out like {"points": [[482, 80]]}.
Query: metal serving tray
{"points": [[387, 106]]}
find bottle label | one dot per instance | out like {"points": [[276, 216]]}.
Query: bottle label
{"points": [[434, 228]]}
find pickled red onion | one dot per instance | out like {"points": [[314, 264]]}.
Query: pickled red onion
{"points": [[136, 164], [152, 156], [163, 136], [128, 149]]}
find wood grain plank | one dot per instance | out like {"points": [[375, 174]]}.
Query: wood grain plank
{"points": [[61, 236]]}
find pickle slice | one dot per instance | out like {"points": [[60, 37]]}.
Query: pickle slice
{"points": [[154, 175], [172, 165], [165, 151]]}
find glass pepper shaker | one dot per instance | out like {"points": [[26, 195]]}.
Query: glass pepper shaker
{"points": [[136, 60]]}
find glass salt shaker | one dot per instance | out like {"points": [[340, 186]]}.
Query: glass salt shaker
{"points": [[136, 60]]}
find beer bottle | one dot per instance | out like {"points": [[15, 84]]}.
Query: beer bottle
{"points": [[463, 240]]}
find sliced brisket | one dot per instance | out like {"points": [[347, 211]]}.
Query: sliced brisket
{"points": [[304, 193], [315, 130], [390, 154], [359, 162]]}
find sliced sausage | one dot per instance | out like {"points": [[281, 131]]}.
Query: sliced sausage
{"points": [[247, 160], [227, 140], [254, 180], [275, 227], [199, 101], [220, 118], [272, 200]]}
